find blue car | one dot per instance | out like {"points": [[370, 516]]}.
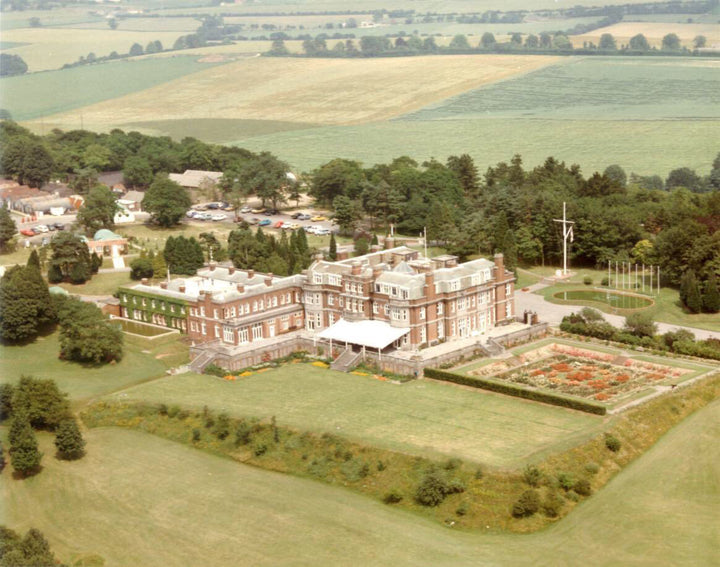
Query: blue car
{"points": [[264, 222]]}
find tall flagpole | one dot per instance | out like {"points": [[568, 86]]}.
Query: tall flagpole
{"points": [[567, 233]]}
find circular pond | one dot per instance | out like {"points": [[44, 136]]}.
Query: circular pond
{"points": [[610, 298]]}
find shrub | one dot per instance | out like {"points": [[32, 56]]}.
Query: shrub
{"points": [[587, 280], [195, 435], [222, 427], [392, 497], [381, 466], [242, 434], [462, 510], [431, 491], [260, 449], [612, 443], [565, 481], [605, 282], [582, 487], [527, 504], [532, 475], [173, 411], [479, 473], [452, 464], [163, 409], [552, 504], [592, 468]]}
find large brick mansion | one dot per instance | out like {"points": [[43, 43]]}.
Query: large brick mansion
{"points": [[411, 300]]}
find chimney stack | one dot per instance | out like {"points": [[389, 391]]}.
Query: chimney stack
{"points": [[144, 281], [389, 242], [251, 274], [231, 270], [163, 285], [241, 288], [182, 288], [500, 267], [268, 280], [212, 266], [356, 268]]}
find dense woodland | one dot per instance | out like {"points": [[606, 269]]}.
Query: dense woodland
{"points": [[670, 222]]}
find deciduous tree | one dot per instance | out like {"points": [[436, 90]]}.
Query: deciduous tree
{"points": [[166, 201], [98, 210], [26, 305]]}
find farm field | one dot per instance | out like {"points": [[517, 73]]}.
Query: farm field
{"points": [[659, 510], [66, 15], [645, 147], [654, 32], [48, 49], [40, 359], [322, 91], [420, 417]]}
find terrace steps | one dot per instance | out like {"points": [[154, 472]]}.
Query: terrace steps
{"points": [[347, 360]]}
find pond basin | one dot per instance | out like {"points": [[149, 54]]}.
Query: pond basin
{"points": [[609, 298]]}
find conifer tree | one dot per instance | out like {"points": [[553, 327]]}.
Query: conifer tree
{"points": [[711, 295], [33, 260], [2, 457], [333, 248], [69, 441], [24, 453], [95, 263], [8, 228]]}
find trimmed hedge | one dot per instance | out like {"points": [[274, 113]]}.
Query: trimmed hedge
{"points": [[517, 391]]}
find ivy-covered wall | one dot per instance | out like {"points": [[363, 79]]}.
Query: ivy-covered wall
{"points": [[132, 301]]}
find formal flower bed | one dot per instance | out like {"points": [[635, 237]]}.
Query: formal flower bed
{"points": [[580, 372]]}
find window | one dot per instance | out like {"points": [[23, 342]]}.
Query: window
{"points": [[144, 302], [376, 308], [440, 308], [461, 304], [124, 297], [254, 306], [331, 299], [334, 280], [331, 319], [232, 311], [182, 310], [215, 314], [318, 319], [452, 328], [317, 278], [423, 335], [261, 304], [284, 322], [287, 297], [152, 304], [202, 311], [422, 313], [508, 290], [217, 331], [257, 331], [243, 335], [404, 293], [274, 301], [508, 309], [203, 328], [454, 285], [440, 329], [386, 309], [228, 335]]}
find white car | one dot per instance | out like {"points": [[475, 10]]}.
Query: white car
{"points": [[322, 232], [219, 217], [191, 214], [42, 228], [203, 216], [245, 210]]}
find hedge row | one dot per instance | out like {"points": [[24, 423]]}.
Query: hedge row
{"points": [[517, 391]]}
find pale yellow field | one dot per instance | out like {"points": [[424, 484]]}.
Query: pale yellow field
{"points": [[52, 48], [653, 31], [321, 91]]}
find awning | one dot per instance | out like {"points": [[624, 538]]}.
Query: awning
{"points": [[373, 334]]}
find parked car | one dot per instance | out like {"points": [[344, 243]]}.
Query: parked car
{"points": [[271, 212], [257, 211], [290, 226], [322, 232], [42, 228], [264, 222], [219, 217], [310, 229], [27, 232], [304, 216], [203, 216], [253, 220], [245, 209], [45, 241], [51, 227], [278, 224], [59, 226], [318, 218], [295, 215], [191, 214]]}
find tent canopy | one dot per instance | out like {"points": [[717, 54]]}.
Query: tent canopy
{"points": [[373, 334]]}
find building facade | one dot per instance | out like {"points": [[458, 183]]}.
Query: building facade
{"points": [[430, 300]]}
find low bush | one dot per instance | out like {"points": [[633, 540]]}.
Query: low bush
{"points": [[532, 475], [527, 505], [462, 510], [552, 504], [381, 466], [612, 443], [434, 487], [592, 468], [479, 473], [452, 464], [392, 497], [260, 449], [517, 391], [587, 280], [582, 487], [565, 481], [243, 434], [196, 435]]}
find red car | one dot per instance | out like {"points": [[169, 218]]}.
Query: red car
{"points": [[278, 224], [27, 232]]}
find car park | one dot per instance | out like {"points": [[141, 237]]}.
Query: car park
{"points": [[290, 226], [271, 212], [219, 217], [264, 222], [203, 216]]}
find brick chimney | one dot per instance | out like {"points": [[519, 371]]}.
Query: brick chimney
{"points": [[144, 281], [499, 267], [389, 242], [356, 268], [375, 248], [241, 288], [268, 280], [231, 270], [182, 288], [213, 265], [377, 270], [163, 285], [251, 274]]}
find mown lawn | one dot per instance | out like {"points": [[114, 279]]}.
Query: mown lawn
{"points": [[100, 284], [661, 510], [40, 359], [422, 417]]}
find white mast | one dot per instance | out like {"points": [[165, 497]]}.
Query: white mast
{"points": [[567, 233]]}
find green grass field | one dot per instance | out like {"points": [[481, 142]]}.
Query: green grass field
{"points": [[645, 146], [100, 284], [422, 417], [660, 511], [40, 359], [40, 94]]}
